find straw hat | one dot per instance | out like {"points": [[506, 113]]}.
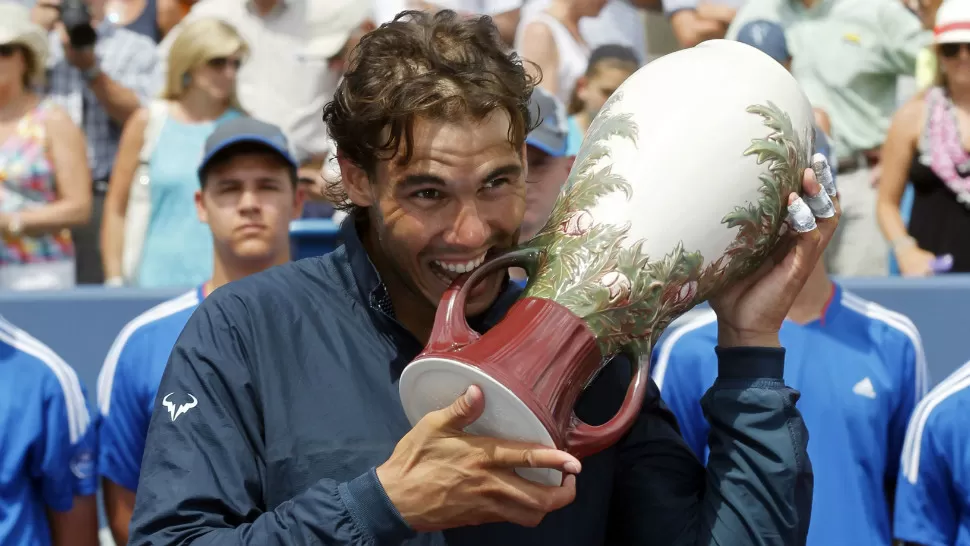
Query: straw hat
{"points": [[953, 22], [17, 28]]}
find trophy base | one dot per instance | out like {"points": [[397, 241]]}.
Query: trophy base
{"points": [[430, 384]]}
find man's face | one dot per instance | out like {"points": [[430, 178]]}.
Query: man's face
{"points": [[596, 90], [545, 180], [459, 200], [248, 202]]}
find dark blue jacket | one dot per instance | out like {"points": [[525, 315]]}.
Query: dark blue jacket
{"points": [[294, 373]]}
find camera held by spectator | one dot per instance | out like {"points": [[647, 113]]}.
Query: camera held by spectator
{"points": [[77, 21]]}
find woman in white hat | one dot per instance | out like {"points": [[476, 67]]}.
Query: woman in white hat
{"points": [[929, 145], [45, 183]]}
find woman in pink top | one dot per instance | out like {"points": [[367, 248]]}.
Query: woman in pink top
{"points": [[45, 183]]}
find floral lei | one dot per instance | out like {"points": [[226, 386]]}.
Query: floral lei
{"points": [[945, 147]]}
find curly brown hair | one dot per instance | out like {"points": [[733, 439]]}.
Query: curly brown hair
{"points": [[438, 66]]}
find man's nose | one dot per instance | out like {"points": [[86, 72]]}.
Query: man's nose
{"points": [[248, 201], [470, 229]]}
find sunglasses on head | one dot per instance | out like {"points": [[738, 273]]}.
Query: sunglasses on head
{"points": [[220, 63], [952, 49]]}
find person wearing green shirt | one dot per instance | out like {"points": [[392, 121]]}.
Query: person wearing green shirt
{"points": [[848, 55]]}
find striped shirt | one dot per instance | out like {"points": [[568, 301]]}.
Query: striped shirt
{"points": [[128, 383], [860, 369], [933, 491], [47, 441]]}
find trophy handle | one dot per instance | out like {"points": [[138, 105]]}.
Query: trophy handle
{"points": [[584, 439], [451, 330]]}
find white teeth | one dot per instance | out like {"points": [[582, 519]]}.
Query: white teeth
{"points": [[461, 267]]}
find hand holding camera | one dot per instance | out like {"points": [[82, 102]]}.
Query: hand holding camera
{"points": [[71, 19]]}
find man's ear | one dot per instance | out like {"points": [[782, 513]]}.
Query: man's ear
{"points": [[200, 207], [356, 182]]}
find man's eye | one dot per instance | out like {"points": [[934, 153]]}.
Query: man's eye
{"points": [[498, 182], [427, 194]]}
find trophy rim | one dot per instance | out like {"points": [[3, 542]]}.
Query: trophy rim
{"points": [[418, 399]]}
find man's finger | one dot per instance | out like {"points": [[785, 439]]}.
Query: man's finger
{"points": [[517, 455], [526, 503], [462, 412], [823, 174], [800, 217], [819, 202]]}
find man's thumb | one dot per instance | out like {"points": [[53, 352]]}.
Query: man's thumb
{"points": [[466, 409]]}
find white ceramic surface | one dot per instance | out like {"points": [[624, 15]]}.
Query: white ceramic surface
{"points": [[430, 384], [687, 166]]}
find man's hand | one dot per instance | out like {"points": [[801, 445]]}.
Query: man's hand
{"points": [[750, 312], [439, 477], [82, 59]]}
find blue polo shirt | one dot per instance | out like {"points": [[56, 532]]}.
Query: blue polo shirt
{"points": [[860, 370], [47, 441], [128, 383], [933, 492]]}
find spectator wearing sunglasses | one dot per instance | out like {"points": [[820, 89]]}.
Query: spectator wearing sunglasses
{"points": [[153, 238], [927, 145]]}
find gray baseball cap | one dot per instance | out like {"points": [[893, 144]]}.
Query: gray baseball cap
{"points": [[245, 130], [550, 136], [768, 36]]}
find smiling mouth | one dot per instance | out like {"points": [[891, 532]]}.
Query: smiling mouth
{"points": [[449, 270]]}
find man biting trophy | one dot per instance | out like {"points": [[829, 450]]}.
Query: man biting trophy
{"points": [[303, 429]]}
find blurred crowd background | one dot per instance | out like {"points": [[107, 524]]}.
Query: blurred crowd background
{"points": [[86, 128]]}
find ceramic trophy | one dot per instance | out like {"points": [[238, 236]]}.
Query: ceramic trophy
{"points": [[680, 188]]}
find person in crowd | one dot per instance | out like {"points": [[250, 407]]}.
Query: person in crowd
{"points": [[199, 94], [100, 87], [609, 66], [931, 496], [694, 21], [551, 41], [548, 161], [45, 183], [291, 427], [47, 462], [248, 196], [860, 369], [296, 49], [151, 18], [849, 55], [926, 147], [334, 44], [620, 22], [547, 158]]}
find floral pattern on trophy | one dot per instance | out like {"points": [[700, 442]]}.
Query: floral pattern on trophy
{"points": [[625, 298]]}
